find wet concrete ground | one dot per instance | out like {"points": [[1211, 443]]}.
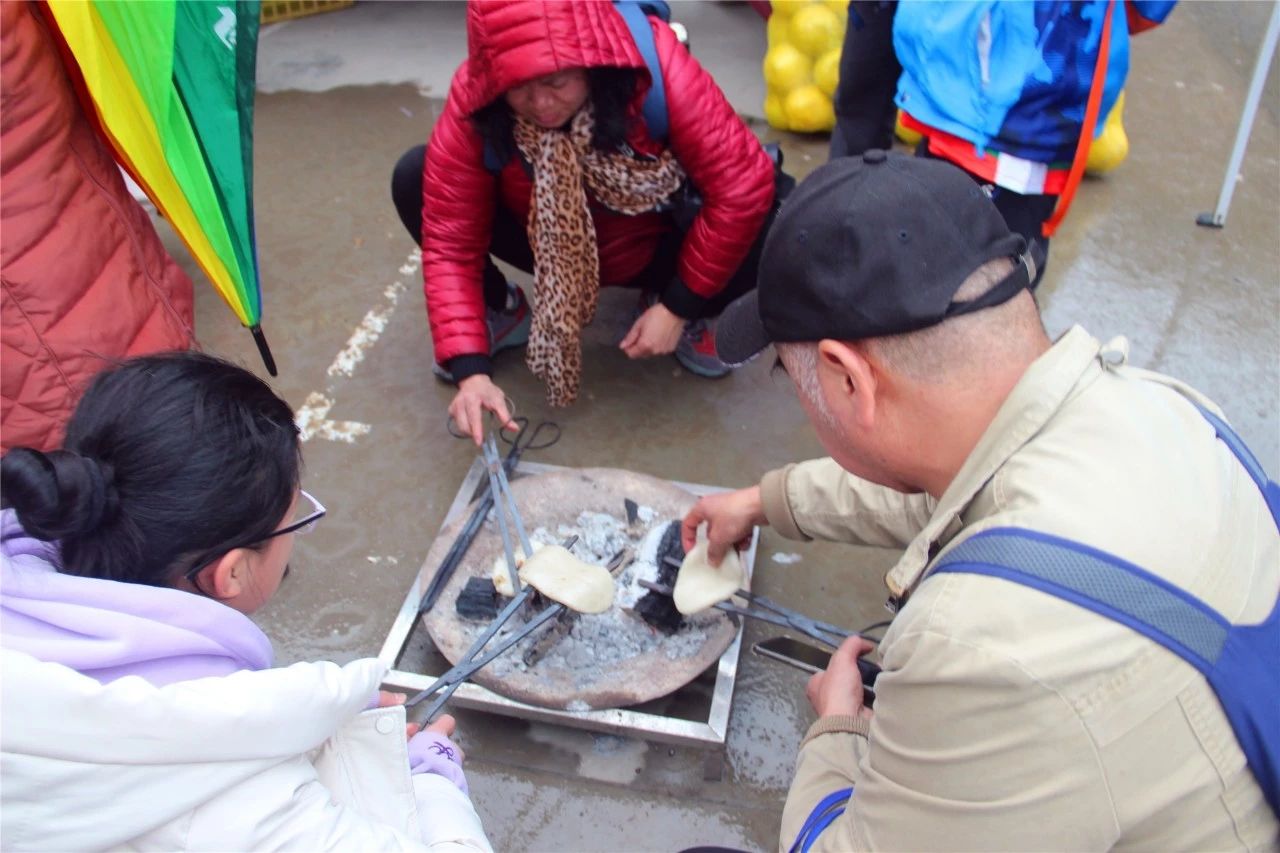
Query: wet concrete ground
{"points": [[342, 94]]}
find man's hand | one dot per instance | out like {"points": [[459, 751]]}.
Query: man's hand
{"points": [[729, 517], [655, 332], [838, 690], [476, 394]]}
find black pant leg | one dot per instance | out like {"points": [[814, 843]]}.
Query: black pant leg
{"points": [[510, 241], [1024, 214], [406, 190], [869, 72]]}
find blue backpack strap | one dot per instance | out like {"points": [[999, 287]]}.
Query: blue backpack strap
{"points": [[491, 160], [1270, 488], [635, 13], [1247, 681], [823, 815]]}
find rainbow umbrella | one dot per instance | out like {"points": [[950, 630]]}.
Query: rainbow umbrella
{"points": [[171, 85]]}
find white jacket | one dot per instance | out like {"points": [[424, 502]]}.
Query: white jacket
{"points": [[278, 759]]}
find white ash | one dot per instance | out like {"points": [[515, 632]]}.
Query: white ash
{"points": [[644, 568], [598, 643], [600, 534], [629, 589]]}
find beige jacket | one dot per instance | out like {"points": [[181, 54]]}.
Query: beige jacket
{"points": [[1009, 719]]}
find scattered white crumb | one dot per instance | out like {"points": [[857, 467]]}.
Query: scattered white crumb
{"points": [[786, 559]]}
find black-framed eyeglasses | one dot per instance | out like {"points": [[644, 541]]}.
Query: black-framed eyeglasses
{"points": [[305, 524], [300, 525]]}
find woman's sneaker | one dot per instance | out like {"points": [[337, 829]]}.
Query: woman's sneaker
{"points": [[508, 328], [696, 351]]}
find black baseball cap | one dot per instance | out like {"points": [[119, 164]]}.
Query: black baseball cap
{"points": [[871, 246]]}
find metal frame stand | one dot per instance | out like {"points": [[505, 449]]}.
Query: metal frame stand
{"points": [[711, 732], [1218, 217]]}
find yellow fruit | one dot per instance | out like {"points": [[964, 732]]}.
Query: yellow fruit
{"points": [[905, 133], [808, 110], [840, 7], [1110, 148], [786, 8], [815, 30], [785, 68], [776, 30], [826, 72], [775, 113]]}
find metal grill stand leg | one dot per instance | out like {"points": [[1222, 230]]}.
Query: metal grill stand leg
{"points": [[1219, 216]]}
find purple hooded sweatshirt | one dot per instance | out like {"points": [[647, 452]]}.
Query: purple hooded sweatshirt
{"points": [[109, 629]]}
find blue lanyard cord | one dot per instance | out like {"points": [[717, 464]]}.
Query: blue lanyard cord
{"points": [[828, 809]]}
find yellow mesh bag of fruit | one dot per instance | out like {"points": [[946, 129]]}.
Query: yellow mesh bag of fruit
{"points": [[802, 63]]}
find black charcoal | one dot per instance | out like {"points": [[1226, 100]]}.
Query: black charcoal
{"points": [[478, 600], [654, 607]]}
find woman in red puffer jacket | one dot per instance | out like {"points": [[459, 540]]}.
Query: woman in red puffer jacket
{"points": [[542, 158]]}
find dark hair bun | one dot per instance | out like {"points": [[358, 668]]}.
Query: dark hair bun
{"points": [[57, 494]]}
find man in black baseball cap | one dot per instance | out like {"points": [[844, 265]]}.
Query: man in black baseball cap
{"points": [[1047, 500], [872, 246]]}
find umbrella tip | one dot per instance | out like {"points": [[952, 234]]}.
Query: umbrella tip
{"points": [[264, 349]]}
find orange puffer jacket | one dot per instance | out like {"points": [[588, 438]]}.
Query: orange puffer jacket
{"points": [[85, 276], [513, 41]]}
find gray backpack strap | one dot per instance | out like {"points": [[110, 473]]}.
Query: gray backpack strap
{"points": [[1088, 577], [1238, 661]]}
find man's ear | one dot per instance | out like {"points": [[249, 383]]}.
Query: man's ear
{"points": [[849, 382], [225, 578]]}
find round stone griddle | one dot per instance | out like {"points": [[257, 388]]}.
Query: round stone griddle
{"points": [[548, 500]]}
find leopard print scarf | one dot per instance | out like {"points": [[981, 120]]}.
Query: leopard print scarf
{"points": [[566, 281]]}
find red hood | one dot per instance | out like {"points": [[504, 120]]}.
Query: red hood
{"points": [[512, 41]]}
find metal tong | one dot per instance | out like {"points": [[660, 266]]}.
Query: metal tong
{"points": [[503, 502], [556, 632], [767, 610], [523, 440], [474, 660]]}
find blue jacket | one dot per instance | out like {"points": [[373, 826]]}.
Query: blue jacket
{"points": [[1013, 76]]}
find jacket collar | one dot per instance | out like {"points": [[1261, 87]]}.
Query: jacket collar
{"points": [[1037, 397]]}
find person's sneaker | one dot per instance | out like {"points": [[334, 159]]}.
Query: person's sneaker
{"points": [[696, 351], [508, 328]]}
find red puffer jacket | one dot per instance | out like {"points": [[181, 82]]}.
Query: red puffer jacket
{"points": [[514, 41], [85, 277]]}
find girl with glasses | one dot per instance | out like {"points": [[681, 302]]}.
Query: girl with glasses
{"points": [[140, 706]]}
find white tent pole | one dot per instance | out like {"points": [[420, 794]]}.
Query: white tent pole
{"points": [[1219, 216]]}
